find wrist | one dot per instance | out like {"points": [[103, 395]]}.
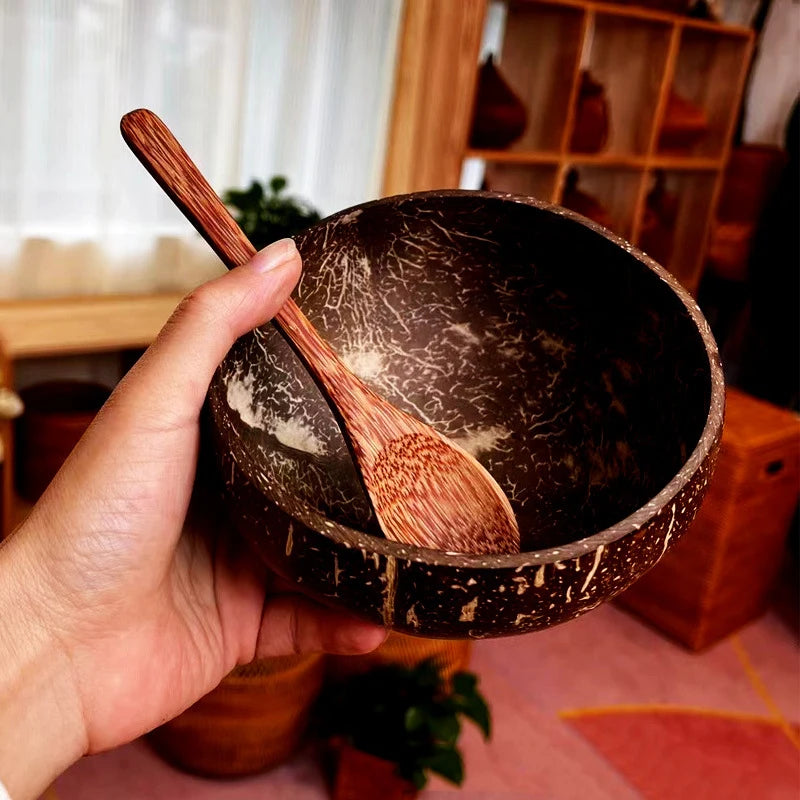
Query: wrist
{"points": [[41, 721]]}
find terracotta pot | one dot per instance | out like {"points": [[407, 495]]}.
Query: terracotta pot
{"points": [[360, 776], [684, 124], [452, 655], [56, 415], [590, 133], [583, 203], [254, 720], [500, 117]]}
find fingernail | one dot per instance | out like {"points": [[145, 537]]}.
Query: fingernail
{"points": [[274, 255], [366, 639]]}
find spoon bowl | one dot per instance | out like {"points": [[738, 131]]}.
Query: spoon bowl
{"points": [[569, 364]]}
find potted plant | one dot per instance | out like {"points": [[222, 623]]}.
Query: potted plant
{"points": [[268, 215], [393, 726]]}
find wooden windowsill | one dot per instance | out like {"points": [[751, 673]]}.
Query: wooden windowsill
{"points": [[69, 326]]}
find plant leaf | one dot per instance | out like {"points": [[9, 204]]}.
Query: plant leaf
{"points": [[445, 728], [414, 719], [278, 184], [476, 709], [419, 778], [464, 682], [447, 763]]}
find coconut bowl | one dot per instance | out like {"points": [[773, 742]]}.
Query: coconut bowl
{"points": [[577, 370]]}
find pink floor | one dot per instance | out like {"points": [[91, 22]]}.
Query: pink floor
{"points": [[600, 708]]}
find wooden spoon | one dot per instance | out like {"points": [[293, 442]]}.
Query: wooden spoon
{"points": [[425, 490]]}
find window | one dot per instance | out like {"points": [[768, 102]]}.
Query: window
{"points": [[250, 87]]}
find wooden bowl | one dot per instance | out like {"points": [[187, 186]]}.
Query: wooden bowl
{"points": [[576, 369]]}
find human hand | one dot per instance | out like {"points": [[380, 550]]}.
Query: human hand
{"points": [[114, 616]]}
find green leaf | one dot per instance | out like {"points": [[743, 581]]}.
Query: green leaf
{"points": [[253, 194], [445, 728], [414, 719], [464, 683], [476, 709], [278, 184], [419, 778], [448, 764]]}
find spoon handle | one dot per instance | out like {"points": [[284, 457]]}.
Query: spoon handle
{"points": [[163, 157]]}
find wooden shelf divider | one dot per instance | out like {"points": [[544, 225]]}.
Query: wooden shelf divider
{"points": [[640, 12], [656, 161]]}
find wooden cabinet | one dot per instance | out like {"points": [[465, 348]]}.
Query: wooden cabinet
{"points": [[653, 67]]}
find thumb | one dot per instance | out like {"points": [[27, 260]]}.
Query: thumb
{"points": [[171, 379]]}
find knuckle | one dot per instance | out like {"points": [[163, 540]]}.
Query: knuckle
{"points": [[200, 302]]}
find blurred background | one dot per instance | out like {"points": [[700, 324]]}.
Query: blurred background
{"points": [[671, 122]]}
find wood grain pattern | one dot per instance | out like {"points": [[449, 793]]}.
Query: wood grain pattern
{"points": [[71, 325], [424, 489], [437, 68], [641, 12], [657, 161]]}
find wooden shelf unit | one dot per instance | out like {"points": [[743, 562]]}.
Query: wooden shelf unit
{"points": [[638, 55]]}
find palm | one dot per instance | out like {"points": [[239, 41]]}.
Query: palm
{"points": [[168, 608], [176, 637]]}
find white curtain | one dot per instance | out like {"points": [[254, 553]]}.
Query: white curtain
{"points": [[775, 80], [251, 88]]}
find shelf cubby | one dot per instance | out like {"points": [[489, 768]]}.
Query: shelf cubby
{"points": [[709, 74], [532, 180], [679, 244], [628, 56], [539, 58], [616, 190]]}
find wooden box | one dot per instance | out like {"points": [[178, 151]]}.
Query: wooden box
{"points": [[720, 575]]}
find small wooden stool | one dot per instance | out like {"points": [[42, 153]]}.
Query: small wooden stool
{"points": [[720, 575]]}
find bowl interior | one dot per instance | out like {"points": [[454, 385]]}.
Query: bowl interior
{"points": [[559, 359]]}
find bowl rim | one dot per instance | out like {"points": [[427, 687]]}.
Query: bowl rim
{"points": [[711, 433]]}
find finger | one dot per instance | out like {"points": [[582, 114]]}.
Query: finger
{"points": [[172, 377], [295, 624]]}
